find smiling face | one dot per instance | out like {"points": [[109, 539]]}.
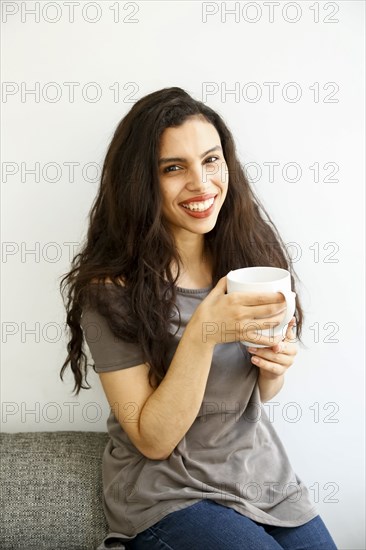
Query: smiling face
{"points": [[193, 173]]}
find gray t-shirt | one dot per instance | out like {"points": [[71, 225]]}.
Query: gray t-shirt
{"points": [[231, 453]]}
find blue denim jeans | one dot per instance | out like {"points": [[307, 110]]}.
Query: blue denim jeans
{"points": [[207, 525]]}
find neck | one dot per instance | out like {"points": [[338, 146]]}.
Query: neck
{"points": [[195, 262], [192, 251]]}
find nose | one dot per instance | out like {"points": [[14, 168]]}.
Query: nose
{"points": [[198, 179]]}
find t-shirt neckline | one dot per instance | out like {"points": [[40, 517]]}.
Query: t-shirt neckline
{"points": [[193, 290]]}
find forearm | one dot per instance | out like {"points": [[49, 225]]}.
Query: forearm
{"points": [[171, 410], [269, 385]]}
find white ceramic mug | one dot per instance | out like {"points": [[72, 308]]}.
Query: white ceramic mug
{"points": [[266, 279]]}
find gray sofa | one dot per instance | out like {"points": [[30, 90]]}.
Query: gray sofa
{"points": [[51, 490]]}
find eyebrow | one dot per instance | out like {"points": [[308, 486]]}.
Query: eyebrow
{"points": [[181, 159]]}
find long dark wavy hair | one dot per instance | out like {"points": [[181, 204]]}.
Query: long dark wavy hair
{"points": [[128, 241]]}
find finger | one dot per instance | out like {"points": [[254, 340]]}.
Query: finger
{"points": [[291, 330], [270, 366], [256, 338], [288, 348], [259, 298], [221, 287], [278, 358], [285, 347]]}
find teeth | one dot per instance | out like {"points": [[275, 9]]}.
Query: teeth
{"points": [[200, 206]]}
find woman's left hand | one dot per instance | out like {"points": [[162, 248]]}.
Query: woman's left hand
{"points": [[274, 361]]}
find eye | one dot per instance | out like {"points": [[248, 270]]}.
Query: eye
{"points": [[167, 169], [209, 159]]}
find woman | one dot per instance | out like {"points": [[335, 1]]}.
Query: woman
{"points": [[192, 460]]}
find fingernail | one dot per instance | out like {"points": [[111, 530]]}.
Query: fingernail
{"points": [[252, 350]]}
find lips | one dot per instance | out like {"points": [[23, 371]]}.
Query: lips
{"points": [[199, 198], [199, 213]]}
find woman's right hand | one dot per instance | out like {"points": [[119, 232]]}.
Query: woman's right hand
{"points": [[222, 318]]}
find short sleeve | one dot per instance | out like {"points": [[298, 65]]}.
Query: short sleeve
{"points": [[109, 353]]}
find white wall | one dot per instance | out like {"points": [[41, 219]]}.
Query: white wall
{"points": [[316, 46]]}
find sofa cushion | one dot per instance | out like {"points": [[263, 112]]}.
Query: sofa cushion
{"points": [[51, 490]]}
